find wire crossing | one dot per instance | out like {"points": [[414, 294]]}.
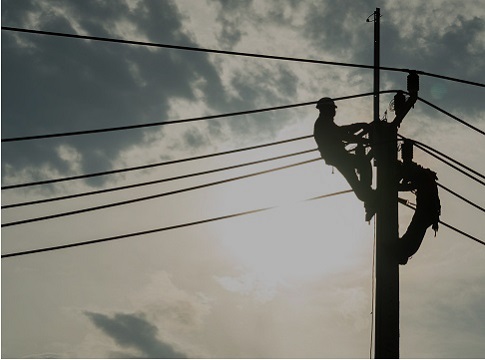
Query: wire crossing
{"points": [[180, 121], [235, 53], [150, 197], [157, 230], [158, 181]]}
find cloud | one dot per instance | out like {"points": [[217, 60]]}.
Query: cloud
{"points": [[58, 85], [61, 85], [135, 332], [263, 290], [45, 356]]}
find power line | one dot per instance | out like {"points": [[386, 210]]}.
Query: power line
{"points": [[450, 164], [148, 166], [224, 217], [452, 116], [421, 145], [461, 197], [159, 123], [180, 121], [188, 48], [158, 181], [442, 157], [444, 77], [151, 231], [150, 197], [234, 53], [461, 232]]}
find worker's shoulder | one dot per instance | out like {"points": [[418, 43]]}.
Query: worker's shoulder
{"points": [[327, 124]]}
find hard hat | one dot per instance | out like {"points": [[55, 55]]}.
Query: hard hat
{"points": [[325, 103]]}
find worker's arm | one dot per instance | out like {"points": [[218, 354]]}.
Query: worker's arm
{"points": [[353, 128], [350, 132]]}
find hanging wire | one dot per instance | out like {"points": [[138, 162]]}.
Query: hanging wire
{"points": [[157, 230], [234, 53], [158, 181], [452, 116], [180, 121], [148, 166], [151, 197]]}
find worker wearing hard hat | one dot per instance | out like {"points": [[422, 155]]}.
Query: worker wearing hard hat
{"points": [[332, 139]]}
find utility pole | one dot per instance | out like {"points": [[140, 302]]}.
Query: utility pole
{"points": [[387, 261]]}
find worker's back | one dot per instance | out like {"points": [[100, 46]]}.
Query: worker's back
{"points": [[328, 137]]}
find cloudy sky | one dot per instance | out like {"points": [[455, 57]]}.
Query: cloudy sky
{"points": [[295, 281]]}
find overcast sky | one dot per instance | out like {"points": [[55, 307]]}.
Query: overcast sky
{"points": [[295, 281]]}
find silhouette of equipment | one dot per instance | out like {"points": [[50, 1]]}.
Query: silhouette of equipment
{"points": [[355, 165], [422, 182]]}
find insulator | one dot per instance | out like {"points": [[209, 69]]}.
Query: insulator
{"points": [[413, 82]]}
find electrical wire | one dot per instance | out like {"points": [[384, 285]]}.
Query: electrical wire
{"points": [[461, 197], [234, 53], [444, 77], [461, 232], [450, 164], [157, 230], [442, 157], [151, 231], [171, 122], [452, 116], [148, 166], [158, 181], [159, 123], [78, 177], [449, 158], [150, 197]]}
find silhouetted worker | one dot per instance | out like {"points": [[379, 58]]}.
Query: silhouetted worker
{"points": [[331, 140]]}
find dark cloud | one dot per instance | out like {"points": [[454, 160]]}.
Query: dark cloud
{"points": [[56, 84], [53, 84], [452, 53], [339, 28], [231, 32], [133, 331]]}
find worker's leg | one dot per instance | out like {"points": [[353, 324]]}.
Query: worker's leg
{"points": [[362, 191], [362, 188], [362, 163]]}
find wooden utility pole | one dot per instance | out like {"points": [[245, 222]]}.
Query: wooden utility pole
{"points": [[387, 264]]}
